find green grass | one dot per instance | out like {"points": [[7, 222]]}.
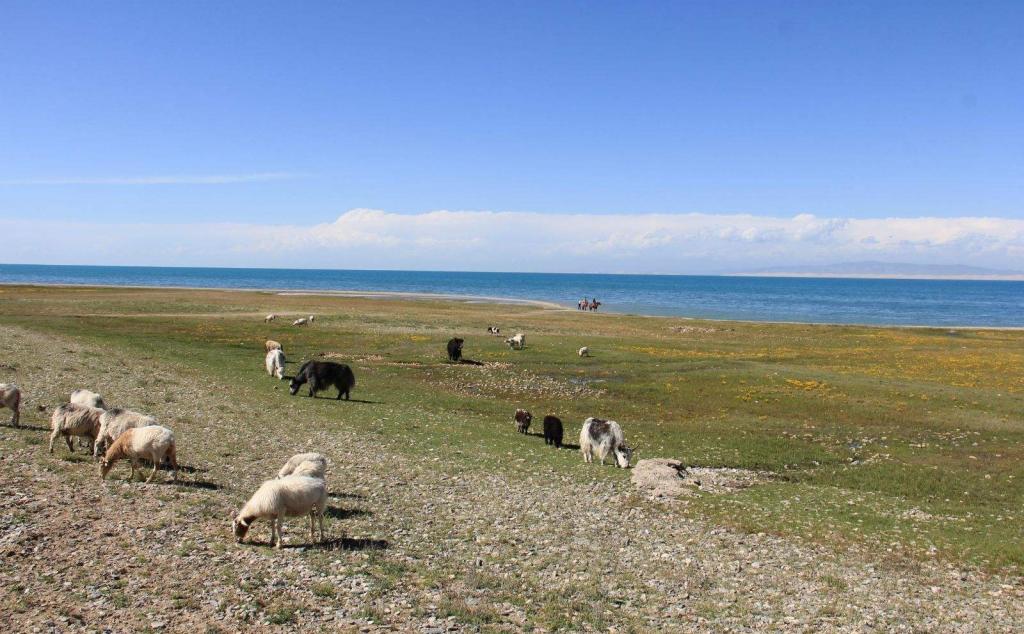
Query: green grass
{"points": [[907, 439]]}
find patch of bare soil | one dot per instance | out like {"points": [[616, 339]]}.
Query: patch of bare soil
{"points": [[698, 330], [667, 478]]}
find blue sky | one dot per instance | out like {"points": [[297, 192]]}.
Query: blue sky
{"points": [[132, 115]]}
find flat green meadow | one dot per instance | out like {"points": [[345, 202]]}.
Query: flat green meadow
{"points": [[904, 441]]}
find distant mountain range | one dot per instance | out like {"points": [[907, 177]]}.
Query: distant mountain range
{"points": [[888, 270]]}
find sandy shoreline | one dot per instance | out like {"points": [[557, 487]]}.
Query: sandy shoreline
{"points": [[473, 299], [480, 299]]}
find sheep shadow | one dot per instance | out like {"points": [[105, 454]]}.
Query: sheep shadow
{"points": [[352, 496], [349, 543], [338, 513], [184, 468], [470, 362], [26, 427], [197, 484]]}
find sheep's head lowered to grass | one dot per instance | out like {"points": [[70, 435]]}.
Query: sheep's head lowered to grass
{"points": [[240, 528]]}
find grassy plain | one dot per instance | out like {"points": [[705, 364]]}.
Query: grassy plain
{"points": [[894, 500], [909, 441]]}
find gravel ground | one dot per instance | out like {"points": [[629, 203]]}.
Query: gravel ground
{"points": [[417, 544]]}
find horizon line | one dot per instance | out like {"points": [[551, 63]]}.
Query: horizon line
{"points": [[980, 277]]}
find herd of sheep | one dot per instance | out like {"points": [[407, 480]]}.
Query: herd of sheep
{"points": [[119, 434], [300, 488]]}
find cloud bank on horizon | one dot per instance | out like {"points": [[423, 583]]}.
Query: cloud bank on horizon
{"points": [[528, 242]]}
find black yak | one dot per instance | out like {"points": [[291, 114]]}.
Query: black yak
{"points": [[553, 431], [323, 374], [455, 349]]}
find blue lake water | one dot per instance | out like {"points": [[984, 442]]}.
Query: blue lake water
{"points": [[852, 301]]}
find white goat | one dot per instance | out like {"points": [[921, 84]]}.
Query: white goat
{"points": [[517, 341], [604, 437], [291, 496], [301, 321], [115, 422], [75, 420], [275, 363], [89, 398], [10, 397], [311, 464], [584, 351], [153, 443]]}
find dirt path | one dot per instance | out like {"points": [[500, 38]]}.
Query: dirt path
{"points": [[415, 543]]}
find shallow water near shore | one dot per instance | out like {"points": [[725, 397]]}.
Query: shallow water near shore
{"points": [[941, 303]]}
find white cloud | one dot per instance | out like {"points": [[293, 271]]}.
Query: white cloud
{"points": [[214, 179], [518, 241]]}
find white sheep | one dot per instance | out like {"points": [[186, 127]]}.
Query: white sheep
{"points": [[10, 397], [301, 321], [584, 351], [152, 442], [71, 419], [291, 496], [115, 422], [88, 398], [269, 318], [275, 363], [517, 341], [311, 464]]}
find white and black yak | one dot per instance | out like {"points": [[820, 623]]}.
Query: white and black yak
{"points": [[604, 437], [323, 374], [522, 419]]}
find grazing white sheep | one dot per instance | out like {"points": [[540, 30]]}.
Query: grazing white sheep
{"points": [[301, 321], [269, 318], [10, 397], [270, 344], [584, 351], [115, 422], [71, 419], [153, 443], [290, 496], [275, 363], [310, 464], [311, 318], [89, 398], [517, 341]]}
